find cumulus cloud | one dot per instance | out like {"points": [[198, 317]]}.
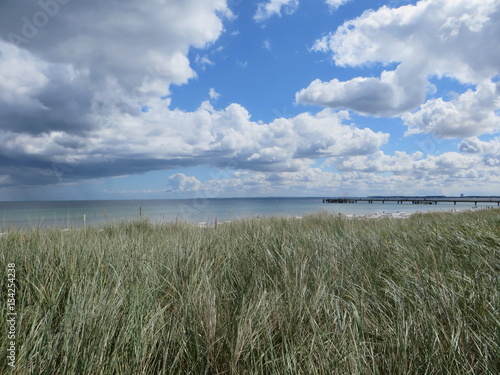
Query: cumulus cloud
{"points": [[447, 173], [181, 182], [390, 95], [474, 168], [163, 138], [470, 114], [274, 7], [78, 76], [444, 31], [474, 145], [118, 40], [310, 181], [85, 62], [490, 151], [431, 38], [402, 163], [372, 174]]}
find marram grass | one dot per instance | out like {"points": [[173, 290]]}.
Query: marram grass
{"points": [[320, 295]]}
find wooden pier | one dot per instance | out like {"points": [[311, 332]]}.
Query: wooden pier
{"points": [[417, 200]]}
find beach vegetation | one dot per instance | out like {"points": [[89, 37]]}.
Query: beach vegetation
{"points": [[317, 295]]}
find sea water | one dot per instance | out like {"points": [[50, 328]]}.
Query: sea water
{"points": [[65, 214]]}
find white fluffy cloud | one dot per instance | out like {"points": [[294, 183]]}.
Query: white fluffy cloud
{"points": [[163, 138], [449, 163], [119, 40], [471, 113], [372, 174], [475, 146], [390, 95], [181, 182], [87, 61], [274, 7], [490, 151], [450, 171], [447, 173], [457, 39], [454, 37]]}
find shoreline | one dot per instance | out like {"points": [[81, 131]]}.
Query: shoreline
{"points": [[376, 215], [85, 221], [406, 214]]}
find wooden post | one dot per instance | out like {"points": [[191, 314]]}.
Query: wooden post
{"points": [[140, 210]]}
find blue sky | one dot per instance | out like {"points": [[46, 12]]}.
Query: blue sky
{"points": [[215, 98]]}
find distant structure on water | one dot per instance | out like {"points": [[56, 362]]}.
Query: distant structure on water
{"points": [[417, 200]]}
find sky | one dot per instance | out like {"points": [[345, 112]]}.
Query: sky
{"points": [[148, 99]]}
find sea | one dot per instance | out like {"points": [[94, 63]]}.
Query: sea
{"points": [[67, 214]]}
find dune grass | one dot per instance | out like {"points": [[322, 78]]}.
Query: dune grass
{"points": [[320, 295]]}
